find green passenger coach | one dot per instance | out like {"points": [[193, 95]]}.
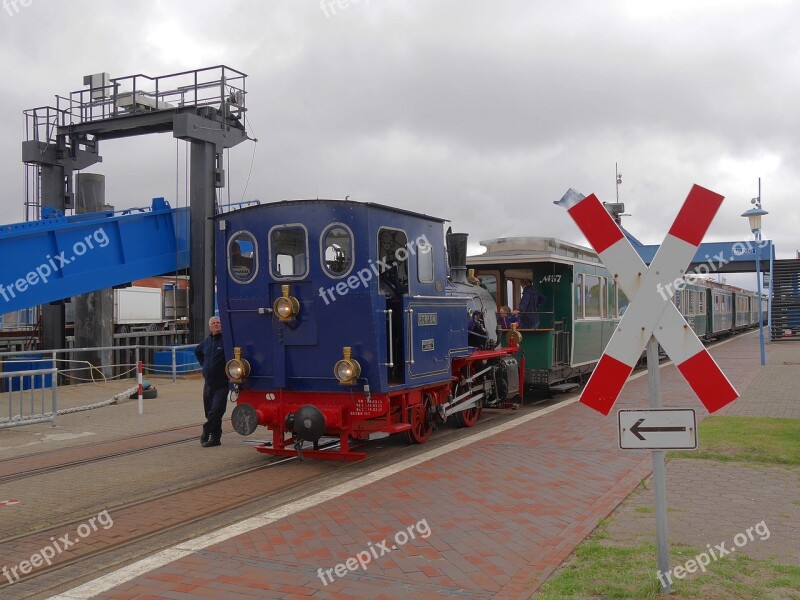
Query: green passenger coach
{"points": [[579, 304]]}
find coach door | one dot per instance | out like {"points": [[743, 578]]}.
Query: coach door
{"points": [[393, 286]]}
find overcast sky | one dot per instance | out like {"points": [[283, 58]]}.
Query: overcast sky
{"points": [[479, 112]]}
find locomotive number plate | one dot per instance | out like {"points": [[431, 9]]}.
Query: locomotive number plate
{"points": [[427, 319], [371, 407]]}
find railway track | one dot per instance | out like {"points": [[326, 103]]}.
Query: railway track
{"points": [[147, 519], [50, 461], [149, 522]]}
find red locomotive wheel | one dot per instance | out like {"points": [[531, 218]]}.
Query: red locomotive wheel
{"points": [[468, 418], [421, 421]]}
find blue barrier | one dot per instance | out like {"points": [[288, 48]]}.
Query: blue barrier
{"points": [[185, 362], [58, 257], [28, 362]]}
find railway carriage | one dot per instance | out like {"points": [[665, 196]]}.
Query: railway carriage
{"points": [[693, 303], [581, 309], [743, 304], [720, 302], [341, 321]]}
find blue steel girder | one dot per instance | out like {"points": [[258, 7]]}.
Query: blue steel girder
{"points": [[55, 258], [720, 257]]}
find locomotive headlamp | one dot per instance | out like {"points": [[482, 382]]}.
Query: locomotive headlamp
{"points": [[286, 307], [237, 368], [347, 370]]}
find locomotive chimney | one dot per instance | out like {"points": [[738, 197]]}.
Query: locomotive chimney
{"points": [[457, 256]]}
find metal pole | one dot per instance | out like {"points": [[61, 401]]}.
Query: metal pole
{"points": [[771, 287], [659, 469], [54, 393], [139, 385], [760, 308], [173, 365]]}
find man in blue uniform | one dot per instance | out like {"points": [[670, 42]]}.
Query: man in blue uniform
{"points": [[529, 306], [211, 357]]}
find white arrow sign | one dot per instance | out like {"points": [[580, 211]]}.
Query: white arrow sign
{"points": [[658, 429]]}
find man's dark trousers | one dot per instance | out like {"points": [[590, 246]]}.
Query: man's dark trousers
{"points": [[215, 402]]}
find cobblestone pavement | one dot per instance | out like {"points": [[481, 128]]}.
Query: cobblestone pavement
{"points": [[775, 392], [710, 501]]}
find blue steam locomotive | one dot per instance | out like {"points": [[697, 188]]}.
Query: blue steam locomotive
{"points": [[348, 320]]}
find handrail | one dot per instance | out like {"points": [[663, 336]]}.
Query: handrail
{"points": [[410, 313], [388, 312]]}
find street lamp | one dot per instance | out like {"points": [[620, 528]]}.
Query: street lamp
{"points": [[754, 215]]}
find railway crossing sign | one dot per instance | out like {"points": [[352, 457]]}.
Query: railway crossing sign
{"points": [[651, 310], [658, 429]]}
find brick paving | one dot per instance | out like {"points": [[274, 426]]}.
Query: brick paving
{"points": [[503, 513], [774, 392], [711, 502]]}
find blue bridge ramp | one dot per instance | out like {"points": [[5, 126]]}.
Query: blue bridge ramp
{"points": [[58, 257]]}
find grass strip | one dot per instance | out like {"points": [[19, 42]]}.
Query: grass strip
{"points": [[760, 440], [598, 570]]}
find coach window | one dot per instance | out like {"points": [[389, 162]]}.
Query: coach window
{"points": [[690, 310], [594, 296], [424, 262], [578, 296], [621, 301], [242, 257], [288, 252], [337, 250], [701, 303]]}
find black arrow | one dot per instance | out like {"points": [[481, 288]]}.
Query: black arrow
{"points": [[637, 428]]}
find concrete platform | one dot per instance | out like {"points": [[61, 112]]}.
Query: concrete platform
{"points": [[491, 518]]}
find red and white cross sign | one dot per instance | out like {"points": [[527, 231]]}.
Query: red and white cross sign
{"points": [[651, 311]]}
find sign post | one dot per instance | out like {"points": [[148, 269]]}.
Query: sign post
{"points": [[652, 317], [659, 467]]}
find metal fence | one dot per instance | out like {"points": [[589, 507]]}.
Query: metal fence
{"points": [[26, 377], [23, 397]]}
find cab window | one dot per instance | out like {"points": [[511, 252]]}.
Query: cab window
{"points": [[288, 252], [424, 262], [242, 257], [337, 250], [393, 261]]}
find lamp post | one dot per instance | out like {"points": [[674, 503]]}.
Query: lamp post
{"points": [[754, 215]]}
